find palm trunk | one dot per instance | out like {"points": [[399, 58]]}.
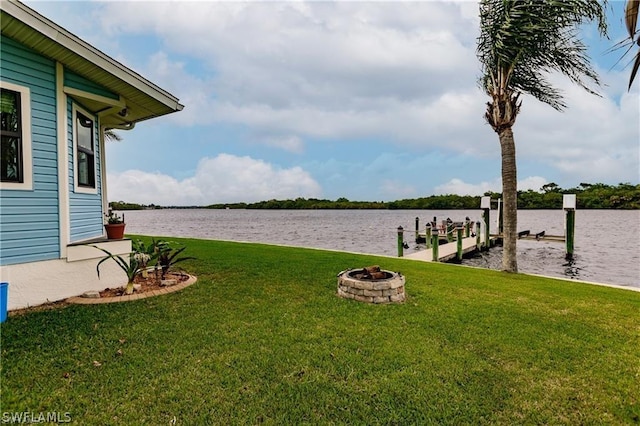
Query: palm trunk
{"points": [[509, 199]]}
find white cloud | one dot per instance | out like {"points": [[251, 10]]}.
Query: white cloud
{"points": [[595, 139], [396, 190], [459, 187], [404, 72], [296, 73], [291, 70], [291, 143], [533, 183], [223, 179]]}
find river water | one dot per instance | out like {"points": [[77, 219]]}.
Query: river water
{"points": [[607, 242]]}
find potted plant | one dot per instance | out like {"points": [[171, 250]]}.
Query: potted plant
{"points": [[114, 226]]}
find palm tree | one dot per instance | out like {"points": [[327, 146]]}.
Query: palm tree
{"points": [[631, 20], [520, 42]]}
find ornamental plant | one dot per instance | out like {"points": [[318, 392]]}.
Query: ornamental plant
{"points": [[144, 254], [168, 256], [113, 218], [137, 263]]}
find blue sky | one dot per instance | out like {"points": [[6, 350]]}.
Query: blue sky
{"points": [[370, 101]]}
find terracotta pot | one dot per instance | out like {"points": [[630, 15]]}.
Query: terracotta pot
{"points": [[115, 231]]}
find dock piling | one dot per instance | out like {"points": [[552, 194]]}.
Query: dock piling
{"points": [[500, 217], [427, 236], [459, 253], [478, 240], [569, 206], [400, 241], [485, 205], [435, 243], [449, 228]]}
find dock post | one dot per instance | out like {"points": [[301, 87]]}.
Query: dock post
{"points": [[400, 241], [449, 231], [467, 227], [485, 205], [427, 236], [459, 241], [417, 228], [435, 242], [478, 241], [569, 206], [500, 216]]}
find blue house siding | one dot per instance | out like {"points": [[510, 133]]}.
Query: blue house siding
{"points": [[85, 210], [76, 81], [29, 220]]}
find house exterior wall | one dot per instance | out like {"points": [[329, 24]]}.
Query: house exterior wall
{"points": [[85, 209], [33, 249], [76, 81], [35, 283], [43, 214], [29, 219]]}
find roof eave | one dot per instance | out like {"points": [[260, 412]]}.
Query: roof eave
{"points": [[165, 102]]}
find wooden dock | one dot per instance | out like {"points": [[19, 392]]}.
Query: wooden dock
{"points": [[449, 251], [465, 237], [446, 252]]}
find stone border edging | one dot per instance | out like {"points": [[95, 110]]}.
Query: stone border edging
{"points": [[127, 298]]}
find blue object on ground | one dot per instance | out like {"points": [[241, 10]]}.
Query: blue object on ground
{"points": [[3, 301]]}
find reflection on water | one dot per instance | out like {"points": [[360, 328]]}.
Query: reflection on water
{"points": [[607, 243], [571, 270]]}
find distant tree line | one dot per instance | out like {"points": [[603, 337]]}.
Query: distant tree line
{"points": [[589, 196], [305, 204], [121, 205]]}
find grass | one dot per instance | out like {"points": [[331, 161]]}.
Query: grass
{"points": [[262, 337]]}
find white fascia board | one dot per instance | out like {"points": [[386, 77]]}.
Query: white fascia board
{"points": [[63, 37], [98, 98]]}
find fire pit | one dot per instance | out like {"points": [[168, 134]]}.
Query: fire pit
{"points": [[371, 285]]}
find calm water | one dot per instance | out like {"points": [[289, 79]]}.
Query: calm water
{"points": [[607, 244]]}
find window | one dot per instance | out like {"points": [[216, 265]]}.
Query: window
{"points": [[11, 129], [15, 137], [85, 151]]}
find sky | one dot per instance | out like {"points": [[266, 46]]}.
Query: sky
{"points": [[367, 100]]}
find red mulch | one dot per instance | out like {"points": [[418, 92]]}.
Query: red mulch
{"points": [[149, 283]]}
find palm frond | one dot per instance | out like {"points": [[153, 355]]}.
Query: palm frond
{"points": [[521, 41], [634, 70], [631, 16], [631, 21], [111, 135]]}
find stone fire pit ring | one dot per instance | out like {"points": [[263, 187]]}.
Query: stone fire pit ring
{"points": [[371, 285]]}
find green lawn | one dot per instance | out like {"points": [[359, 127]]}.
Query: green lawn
{"points": [[262, 337]]}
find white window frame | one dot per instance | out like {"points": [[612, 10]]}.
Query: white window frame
{"points": [[78, 188], [27, 151]]}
